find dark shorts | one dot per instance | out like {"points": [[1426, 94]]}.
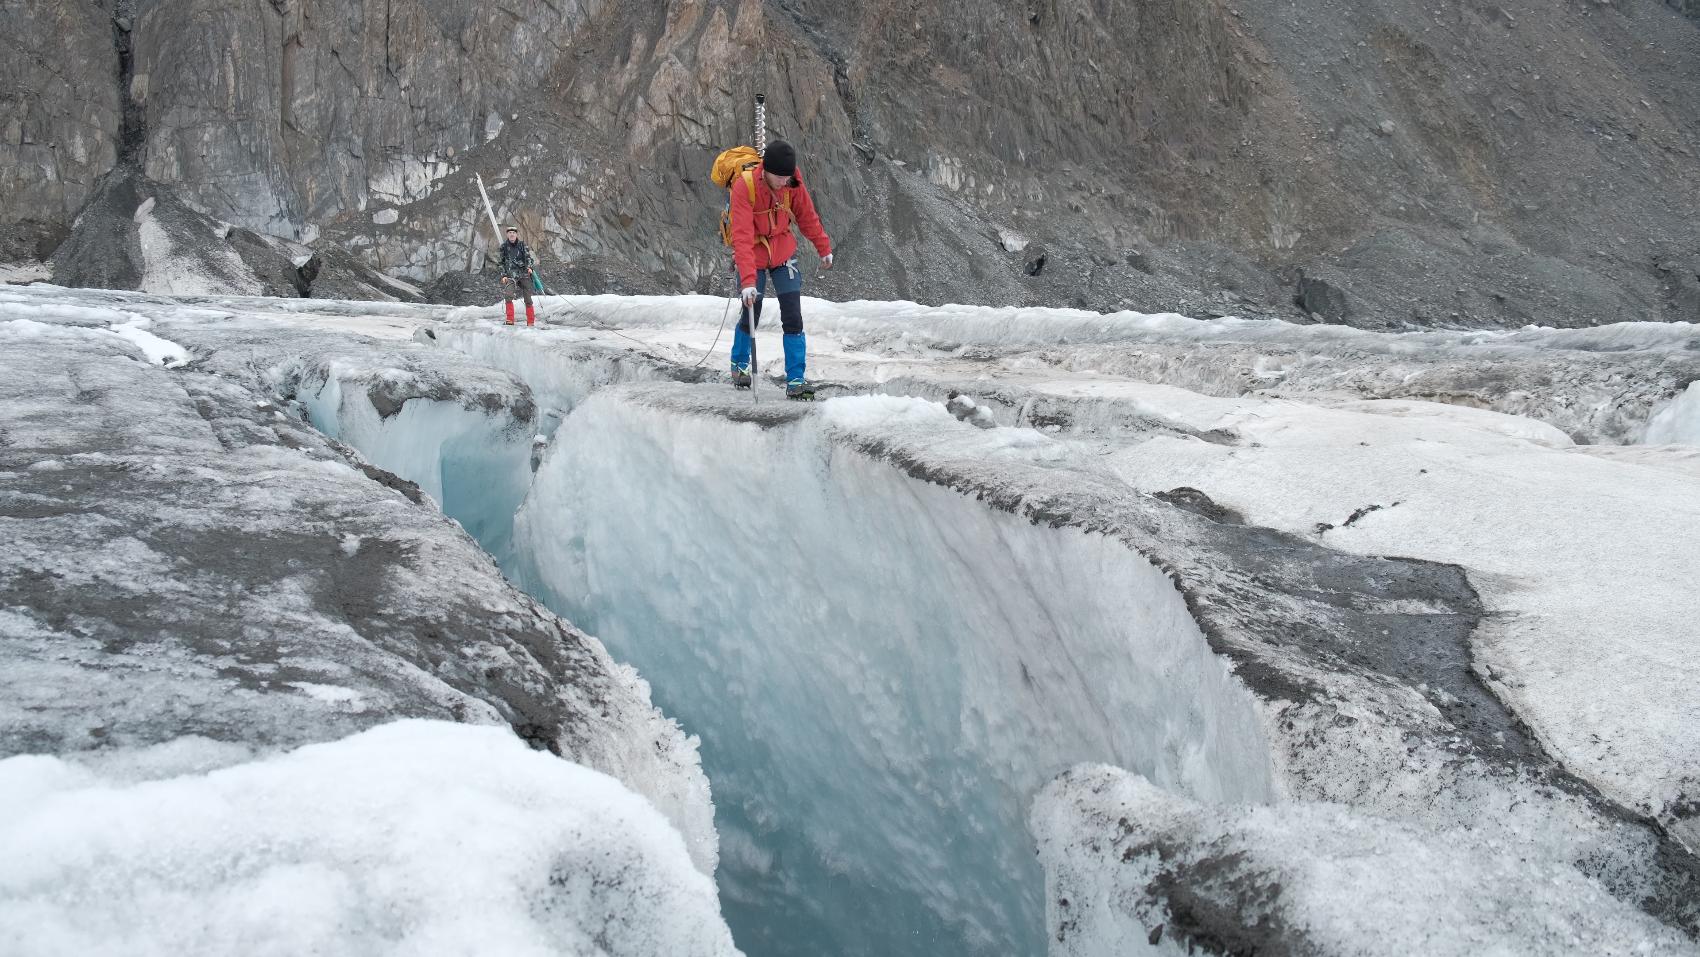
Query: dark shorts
{"points": [[518, 289]]}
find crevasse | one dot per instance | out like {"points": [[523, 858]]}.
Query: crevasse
{"points": [[883, 670]]}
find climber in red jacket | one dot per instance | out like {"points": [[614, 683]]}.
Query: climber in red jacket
{"points": [[763, 248]]}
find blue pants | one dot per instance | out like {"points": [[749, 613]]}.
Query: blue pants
{"points": [[788, 288]]}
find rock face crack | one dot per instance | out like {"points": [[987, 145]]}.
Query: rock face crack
{"points": [[133, 126]]}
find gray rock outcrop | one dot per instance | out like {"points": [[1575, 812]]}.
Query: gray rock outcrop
{"points": [[60, 111], [1466, 167]]}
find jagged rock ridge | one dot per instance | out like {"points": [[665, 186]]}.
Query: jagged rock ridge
{"points": [[1451, 165]]}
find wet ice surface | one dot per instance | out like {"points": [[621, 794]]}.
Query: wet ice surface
{"points": [[1266, 494]]}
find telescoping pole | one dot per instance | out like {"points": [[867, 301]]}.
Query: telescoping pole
{"points": [[750, 310]]}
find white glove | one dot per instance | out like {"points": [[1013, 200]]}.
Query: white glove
{"points": [[826, 261], [748, 295]]}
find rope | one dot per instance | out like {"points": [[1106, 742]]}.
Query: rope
{"points": [[605, 327], [718, 332]]}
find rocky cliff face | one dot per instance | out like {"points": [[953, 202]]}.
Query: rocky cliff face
{"points": [[60, 114], [1377, 163]]}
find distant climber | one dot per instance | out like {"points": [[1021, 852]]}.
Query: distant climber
{"points": [[518, 269], [765, 200]]}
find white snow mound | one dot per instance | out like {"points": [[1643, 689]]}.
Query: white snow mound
{"points": [[417, 837]]}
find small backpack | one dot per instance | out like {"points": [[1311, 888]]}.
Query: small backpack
{"points": [[739, 161]]}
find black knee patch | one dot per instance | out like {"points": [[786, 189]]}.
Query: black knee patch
{"points": [[791, 312], [744, 316]]}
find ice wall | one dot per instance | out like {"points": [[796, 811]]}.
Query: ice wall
{"points": [[474, 462], [883, 671]]}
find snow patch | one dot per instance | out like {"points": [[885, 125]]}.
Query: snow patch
{"points": [[1581, 560], [24, 273], [125, 325], [395, 283], [212, 270], [159, 351]]}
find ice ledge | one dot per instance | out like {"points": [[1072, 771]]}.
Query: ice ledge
{"points": [[1126, 861]]}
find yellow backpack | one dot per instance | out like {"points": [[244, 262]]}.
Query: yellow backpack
{"points": [[740, 161], [732, 162]]}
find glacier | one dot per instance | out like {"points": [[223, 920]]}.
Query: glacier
{"points": [[1294, 603]]}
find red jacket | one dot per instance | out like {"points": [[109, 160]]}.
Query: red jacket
{"points": [[761, 234]]}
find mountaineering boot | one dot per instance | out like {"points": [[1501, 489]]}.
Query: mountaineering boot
{"points": [[510, 305], [740, 376], [798, 389], [530, 315]]}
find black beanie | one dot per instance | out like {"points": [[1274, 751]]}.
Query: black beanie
{"points": [[780, 159]]}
